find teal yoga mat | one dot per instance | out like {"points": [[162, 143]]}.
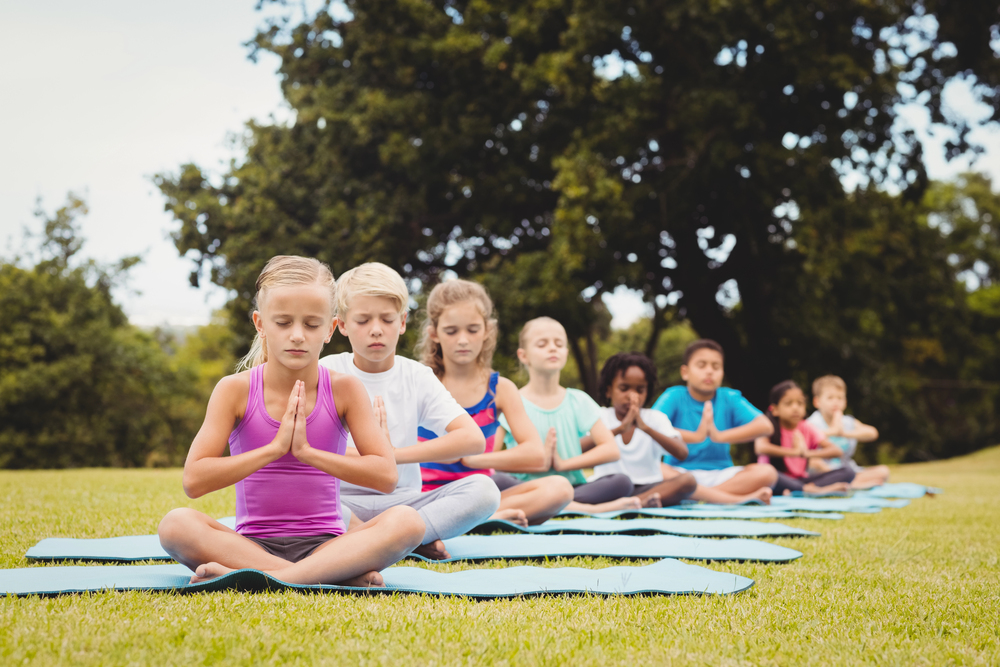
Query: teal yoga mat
{"points": [[465, 547], [666, 577], [698, 511], [899, 490], [595, 526], [849, 505]]}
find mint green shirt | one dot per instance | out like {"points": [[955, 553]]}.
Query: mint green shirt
{"points": [[572, 420]]}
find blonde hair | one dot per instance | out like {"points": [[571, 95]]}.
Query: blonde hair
{"points": [[371, 279], [522, 338], [819, 384], [285, 271], [442, 297]]}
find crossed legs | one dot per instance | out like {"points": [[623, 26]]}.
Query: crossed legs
{"points": [[352, 559]]}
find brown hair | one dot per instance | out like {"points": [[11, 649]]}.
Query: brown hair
{"points": [[701, 344], [283, 271], [819, 384], [442, 297]]}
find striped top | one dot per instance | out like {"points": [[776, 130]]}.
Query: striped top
{"points": [[484, 413]]}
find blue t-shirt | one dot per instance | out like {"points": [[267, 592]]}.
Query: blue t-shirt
{"points": [[730, 410]]}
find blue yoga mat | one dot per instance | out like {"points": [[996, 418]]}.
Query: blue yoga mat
{"points": [[850, 505], [465, 547], [595, 526], [698, 511], [666, 577], [899, 490]]}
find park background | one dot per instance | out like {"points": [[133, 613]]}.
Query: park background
{"points": [[811, 184]]}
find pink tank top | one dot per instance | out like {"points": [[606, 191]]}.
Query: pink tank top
{"points": [[287, 497]]}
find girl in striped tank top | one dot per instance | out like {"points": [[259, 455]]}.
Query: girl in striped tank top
{"points": [[458, 343], [287, 468]]}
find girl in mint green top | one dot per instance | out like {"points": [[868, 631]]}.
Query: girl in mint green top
{"points": [[572, 420], [563, 417]]}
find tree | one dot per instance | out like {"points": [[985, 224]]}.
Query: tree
{"points": [[79, 385], [465, 135]]}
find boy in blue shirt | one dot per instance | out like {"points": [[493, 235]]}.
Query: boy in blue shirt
{"points": [[710, 418]]}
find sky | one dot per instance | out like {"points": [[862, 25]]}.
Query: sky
{"points": [[96, 98]]}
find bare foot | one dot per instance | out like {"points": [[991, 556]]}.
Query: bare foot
{"points": [[367, 580], [652, 501], [433, 550], [514, 516], [762, 494], [208, 571]]}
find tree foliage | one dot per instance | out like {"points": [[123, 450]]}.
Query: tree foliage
{"points": [[556, 149], [79, 386]]}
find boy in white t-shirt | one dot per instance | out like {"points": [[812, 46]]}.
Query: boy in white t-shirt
{"points": [[372, 302], [830, 401], [642, 435]]}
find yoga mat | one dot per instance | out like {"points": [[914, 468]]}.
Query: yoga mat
{"points": [[483, 547], [694, 511], [595, 526], [466, 547], [856, 505], [899, 490], [666, 577]]}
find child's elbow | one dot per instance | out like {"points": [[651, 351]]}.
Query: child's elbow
{"points": [[766, 427], [477, 442], [192, 489], [682, 452], [388, 479]]}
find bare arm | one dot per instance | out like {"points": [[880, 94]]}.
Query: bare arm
{"points": [[529, 455], [826, 450], [763, 446], [206, 469], [862, 432], [759, 426], [676, 447], [373, 465], [604, 451], [463, 438]]}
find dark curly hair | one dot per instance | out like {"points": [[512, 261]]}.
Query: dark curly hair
{"points": [[620, 363]]}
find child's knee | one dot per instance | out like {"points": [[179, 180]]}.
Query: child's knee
{"points": [[484, 491], [688, 484], [175, 525], [766, 472], [406, 523], [557, 488]]}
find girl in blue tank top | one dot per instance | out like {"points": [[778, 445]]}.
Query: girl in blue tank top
{"points": [[287, 453]]}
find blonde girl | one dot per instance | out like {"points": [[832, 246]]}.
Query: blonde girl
{"points": [[285, 421], [565, 417], [457, 344]]}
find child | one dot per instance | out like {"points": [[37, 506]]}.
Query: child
{"points": [[372, 301], [287, 473], [698, 411], [830, 401], [457, 344], [794, 442], [565, 416], [642, 435]]}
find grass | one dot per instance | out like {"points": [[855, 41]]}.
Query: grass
{"points": [[913, 586]]}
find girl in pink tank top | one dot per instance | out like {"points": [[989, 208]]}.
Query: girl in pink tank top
{"points": [[285, 421]]}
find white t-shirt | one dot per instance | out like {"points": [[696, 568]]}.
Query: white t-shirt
{"points": [[640, 458], [413, 397]]}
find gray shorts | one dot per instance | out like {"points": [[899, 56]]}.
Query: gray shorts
{"points": [[292, 548]]}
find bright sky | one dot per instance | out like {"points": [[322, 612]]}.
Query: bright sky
{"points": [[98, 97]]}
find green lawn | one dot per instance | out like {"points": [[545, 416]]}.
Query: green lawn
{"points": [[913, 586]]}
